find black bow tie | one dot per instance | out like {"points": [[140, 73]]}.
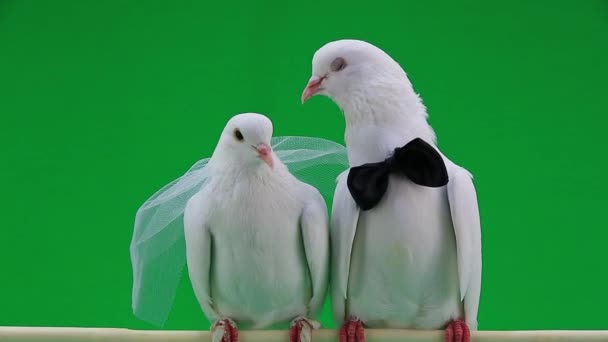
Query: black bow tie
{"points": [[419, 161]]}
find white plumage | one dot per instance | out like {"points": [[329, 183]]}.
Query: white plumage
{"points": [[257, 240], [413, 261]]}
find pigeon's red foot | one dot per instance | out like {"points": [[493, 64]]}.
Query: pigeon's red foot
{"points": [[301, 329], [352, 331], [457, 331], [224, 330]]}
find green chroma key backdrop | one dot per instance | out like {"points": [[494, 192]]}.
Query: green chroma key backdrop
{"points": [[104, 102]]}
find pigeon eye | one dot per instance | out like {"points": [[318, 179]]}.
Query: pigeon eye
{"points": [[338, 64], [238, 135]]}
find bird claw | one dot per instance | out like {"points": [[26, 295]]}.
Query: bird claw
{"points": [[352, 331], [301, 329], [224, 330], [457, 331]]}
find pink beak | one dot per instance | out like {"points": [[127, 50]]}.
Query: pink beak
{"points": [[265, 153], [312, 87]]}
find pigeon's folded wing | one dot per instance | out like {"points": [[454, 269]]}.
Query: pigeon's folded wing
{"points": [[467, 228], [344, 218], [315, 236], [198, 252]]}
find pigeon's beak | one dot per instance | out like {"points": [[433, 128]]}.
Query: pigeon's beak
{"points": [[312, 87], [265, 153]]}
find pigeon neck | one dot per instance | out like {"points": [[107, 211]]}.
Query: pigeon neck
{"points": [[381, 118], [245, 168], [375, 140]]}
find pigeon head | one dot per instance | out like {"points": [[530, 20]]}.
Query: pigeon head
{"points": [[246, 140], [361, 79]]}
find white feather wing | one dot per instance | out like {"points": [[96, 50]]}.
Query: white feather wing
{"points": [[198, 252], [315, 236], [344, 218], [467, 228]]}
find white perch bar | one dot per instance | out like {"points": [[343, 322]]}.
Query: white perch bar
{"points": [[41, 334]]}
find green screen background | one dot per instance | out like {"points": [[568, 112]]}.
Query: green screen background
{"points": [[104, 102]]}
